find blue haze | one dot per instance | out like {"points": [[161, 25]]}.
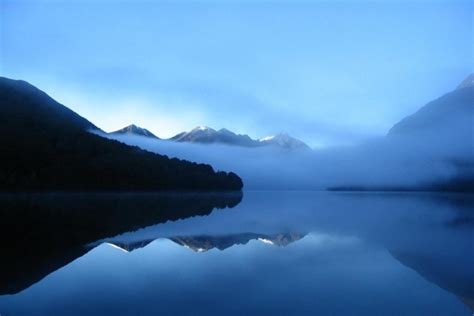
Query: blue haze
{"points": [[328, 72]]}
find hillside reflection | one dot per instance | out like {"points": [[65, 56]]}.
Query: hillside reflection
{"points": [[42, 232]]}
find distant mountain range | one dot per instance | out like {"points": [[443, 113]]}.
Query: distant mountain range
{"points": [[46, 146], [207, 135], [449, 116]]}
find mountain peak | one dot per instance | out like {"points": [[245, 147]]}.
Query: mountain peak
{"points": [[133, 129], [202, 128], [467, 82], [200, 134], [284, 140], [34, 100], [449, 117], [207, 135], [266, 138]]}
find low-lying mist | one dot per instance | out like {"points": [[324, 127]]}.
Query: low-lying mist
{"points": [[386, 162]]}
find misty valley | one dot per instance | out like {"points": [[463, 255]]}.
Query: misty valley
{"points": [[264, 157], [126, 223], [49, 147]]}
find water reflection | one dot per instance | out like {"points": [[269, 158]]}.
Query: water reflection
{"points": [[277, 253], [43, 232], [202, 243]]}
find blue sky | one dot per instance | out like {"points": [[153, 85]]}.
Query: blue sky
{"points": [[328, 72]]}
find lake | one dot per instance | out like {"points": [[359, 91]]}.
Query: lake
{"points": [[256, 253]]}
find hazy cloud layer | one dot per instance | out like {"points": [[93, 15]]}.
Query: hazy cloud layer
{"points": [[385, 162]]}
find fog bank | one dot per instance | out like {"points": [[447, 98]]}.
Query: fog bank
{"points": [[386, 162]]}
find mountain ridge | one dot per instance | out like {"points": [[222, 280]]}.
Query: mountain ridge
{"points": [[207, 135], [440, 132], [133, 129], [468, 82], [453, 109]]}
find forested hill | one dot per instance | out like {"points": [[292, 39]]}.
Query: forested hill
{"points": [[46, 146]]}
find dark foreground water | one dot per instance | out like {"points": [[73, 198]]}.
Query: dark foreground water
{"points": [[274, 253]]}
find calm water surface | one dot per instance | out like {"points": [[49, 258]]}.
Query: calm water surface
{"points": [[274, 253]]}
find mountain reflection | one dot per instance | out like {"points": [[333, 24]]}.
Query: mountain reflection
{"points": [[43, 232], [203, 243], [443, 271]]}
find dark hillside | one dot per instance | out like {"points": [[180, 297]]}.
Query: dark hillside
{"points": [[46, 146]]}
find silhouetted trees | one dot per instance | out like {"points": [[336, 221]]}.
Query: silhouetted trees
{"points": [[46, 146]]}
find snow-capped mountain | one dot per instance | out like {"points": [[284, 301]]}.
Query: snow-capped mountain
{"points": [[207, 135], [284, 141], [135, 130]]}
